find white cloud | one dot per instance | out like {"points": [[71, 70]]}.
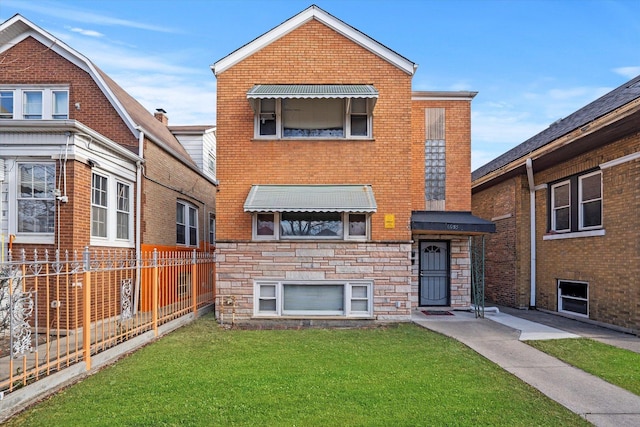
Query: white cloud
{"points": [[63, 11], [628, 72], [90, 33], [186, 101]]}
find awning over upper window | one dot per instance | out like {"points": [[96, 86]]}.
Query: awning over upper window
{"points": [[450, 222], [312, 91], [310, 198]]}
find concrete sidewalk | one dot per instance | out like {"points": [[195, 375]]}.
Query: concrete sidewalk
{"points": [[498, 338]]}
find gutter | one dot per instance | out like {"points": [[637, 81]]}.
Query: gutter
{"points": [[532, 229], [136, 294]]}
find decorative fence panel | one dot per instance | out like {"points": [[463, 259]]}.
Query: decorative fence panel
{"points": [[60, 309]]}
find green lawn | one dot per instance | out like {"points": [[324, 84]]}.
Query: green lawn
{"points": [[615, 365], [202, 375]]}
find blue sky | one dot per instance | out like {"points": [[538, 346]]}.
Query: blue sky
{"points": [[532, 62]]}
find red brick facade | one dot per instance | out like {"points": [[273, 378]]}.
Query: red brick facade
{"points": [[392, 162]]}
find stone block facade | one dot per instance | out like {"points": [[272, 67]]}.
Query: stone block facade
{"points": [[386, 265]]}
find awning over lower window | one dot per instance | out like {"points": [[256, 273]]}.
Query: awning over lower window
{"points": [[450, 222], [310, 198], [312, 91]]}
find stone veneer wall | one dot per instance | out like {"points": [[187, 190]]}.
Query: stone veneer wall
{"points": [[387, 265], [460, 279]]}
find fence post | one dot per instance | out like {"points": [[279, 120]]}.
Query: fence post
{"points": [[86, 317], [194, 281], [154, 292]]}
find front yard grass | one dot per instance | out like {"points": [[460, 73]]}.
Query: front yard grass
{"points": [[615, 365], [202, 375]]}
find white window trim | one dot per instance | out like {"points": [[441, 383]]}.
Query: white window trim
{"points": [[25, 238], [553, 207], [212, 228], [112, 212], [186, 205], [276, 229], [346, 123], [560, 297], [574, 235], [47, 100], [348, 297], [581, 202]]}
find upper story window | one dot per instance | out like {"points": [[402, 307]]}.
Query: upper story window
{"points": [[6, 104], [35, 103], [186, 224], [576, 203], [313, 111], [111, 208]]}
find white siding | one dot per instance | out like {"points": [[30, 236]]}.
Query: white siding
{"points": [[199, 145]]}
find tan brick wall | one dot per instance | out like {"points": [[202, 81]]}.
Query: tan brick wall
{"points": [[387, 265], [313, 53], [610, 262], [507, 260], [166, 182], [458, 153]]}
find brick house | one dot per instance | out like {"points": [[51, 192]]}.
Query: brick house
{"points": [[565, 203], [343, 194], [83, 164]]}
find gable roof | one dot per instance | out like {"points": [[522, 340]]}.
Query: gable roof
{"points": [[602, 106], [314, 12], [133, 114]]}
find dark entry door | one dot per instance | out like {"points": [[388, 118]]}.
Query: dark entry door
{"points": [[434, 273]]}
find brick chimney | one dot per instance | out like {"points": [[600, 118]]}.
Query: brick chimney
{"points": [[161, 116]]}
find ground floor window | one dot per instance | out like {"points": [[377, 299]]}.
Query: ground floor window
{"points": [[285, 298], [573, 297]]}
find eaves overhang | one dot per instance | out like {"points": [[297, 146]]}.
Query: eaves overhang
{"points": [[314, 12]]}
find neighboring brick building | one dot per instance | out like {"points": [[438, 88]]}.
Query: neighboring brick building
{"points": [[326, 196], [83, 164], [582, 173]]}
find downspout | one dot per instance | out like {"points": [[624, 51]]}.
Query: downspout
{"points": [[136, 295], [532, 214]]}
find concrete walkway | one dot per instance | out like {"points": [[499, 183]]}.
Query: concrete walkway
{"points": [[498, 338]]}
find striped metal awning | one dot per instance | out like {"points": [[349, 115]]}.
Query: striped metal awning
{"points": [[312, 91], [310, 198]]}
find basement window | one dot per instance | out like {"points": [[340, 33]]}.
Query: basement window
{"points": [[323, 298], [573, 297]]}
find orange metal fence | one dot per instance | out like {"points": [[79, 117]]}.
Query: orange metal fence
{"points": [[59, 310]]}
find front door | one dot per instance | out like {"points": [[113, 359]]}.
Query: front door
{"points": [[434, 273]]}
